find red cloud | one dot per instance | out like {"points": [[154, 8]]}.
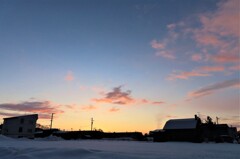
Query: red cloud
{"points": [[117, 96], [213, 87]]}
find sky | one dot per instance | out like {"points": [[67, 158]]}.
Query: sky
{"points": [[131, 65]]}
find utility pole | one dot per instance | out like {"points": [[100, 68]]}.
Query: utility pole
{"points": [[51, 122], [217, 118], [92, 123]]}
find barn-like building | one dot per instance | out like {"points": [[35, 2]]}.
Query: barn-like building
{"points": [[20, 126]]}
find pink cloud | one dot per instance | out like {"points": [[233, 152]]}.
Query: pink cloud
{"points": [[212, 88], [144, 101], [158, 103], [157, 45], [207, 39], [69, 76], [43, 108], [166, 54], [89, 107], [116, 96], [186, 75], [196, 57], [162, 47], [225, 21], [225, 58], [220, 29], [234, 68], [171, 26], [114, 110], [72, 106], [149, 102], [212, 68]]}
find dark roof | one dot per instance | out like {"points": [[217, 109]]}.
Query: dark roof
{"points": [[190, 123], [34, 115]]}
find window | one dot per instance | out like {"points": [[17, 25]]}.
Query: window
{"points": [[30, 122], [20, 129], [22, 121]]}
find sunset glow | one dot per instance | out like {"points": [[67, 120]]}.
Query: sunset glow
{"points": [[130, 65]]}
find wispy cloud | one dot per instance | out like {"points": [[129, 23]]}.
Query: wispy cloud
{"points": [[158, 45], [116, 96], [89, 107], [212, 88], [10, 114], [162, 47], [166, 54], [43, 108], [232, 57], [69, 76], [186, 75], [211, 68], [234, 68], [114, 109], [145, 101], [158, 103], [215, 37], [220, 31], [196, 57], [202, 71]]}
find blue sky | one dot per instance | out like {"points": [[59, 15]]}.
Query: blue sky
{"points": [[176, 58]]}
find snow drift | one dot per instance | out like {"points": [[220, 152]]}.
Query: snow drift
{"points": [[105, 149]]}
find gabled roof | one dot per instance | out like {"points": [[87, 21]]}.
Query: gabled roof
{"points": [[33, 115], [190, 123]]}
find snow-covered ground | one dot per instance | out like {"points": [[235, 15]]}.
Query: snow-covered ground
{"points": [[55, 148]]}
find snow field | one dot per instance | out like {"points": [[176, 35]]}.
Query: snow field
{"points": [[105, 149]]}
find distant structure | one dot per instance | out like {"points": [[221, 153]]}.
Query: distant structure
{"points": [[194, 130], [20, 126], [179, 130], [92, 124]]}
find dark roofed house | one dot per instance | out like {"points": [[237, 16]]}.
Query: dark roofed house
{"points": [[180, 130], [174, 124]]}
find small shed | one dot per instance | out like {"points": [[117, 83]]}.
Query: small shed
{"points": [[20, 126]]}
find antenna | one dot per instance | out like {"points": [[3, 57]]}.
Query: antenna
{"points": [[92, 123], [198, 113], [51, 122]]}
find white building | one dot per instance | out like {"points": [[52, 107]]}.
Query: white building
{"points": [[21, 126]]}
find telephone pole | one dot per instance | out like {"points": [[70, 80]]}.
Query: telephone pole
{"points": [[92, 123], [51, 122], [217, 118]]}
